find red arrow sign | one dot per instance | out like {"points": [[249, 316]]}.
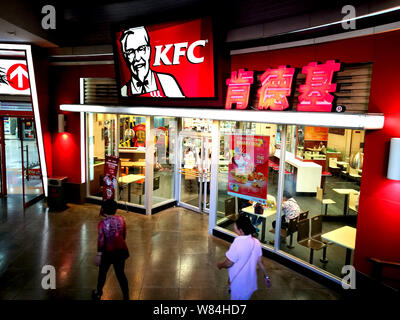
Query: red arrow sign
{"points": [[17, 76]]}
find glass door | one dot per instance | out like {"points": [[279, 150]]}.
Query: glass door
{"points": [[32, 173], [12, 164], [195, 171]]}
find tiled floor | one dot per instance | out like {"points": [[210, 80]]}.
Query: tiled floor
{"points": [[172, 257]]}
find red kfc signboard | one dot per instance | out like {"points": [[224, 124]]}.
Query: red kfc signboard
{"points": [[169, 60]]}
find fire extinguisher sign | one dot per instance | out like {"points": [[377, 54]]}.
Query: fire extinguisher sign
{"points": [[14, 77]]}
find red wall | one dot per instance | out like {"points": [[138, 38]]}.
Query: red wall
{"points": [[378, 226], [64, 88]]}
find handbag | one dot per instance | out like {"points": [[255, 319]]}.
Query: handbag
{"points": [[248, 257]]}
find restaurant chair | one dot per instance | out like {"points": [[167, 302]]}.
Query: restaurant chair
{"points": [[316, 232], [303, 238], [333, 167], [303, 215], [353, 200], [230, 208], [291, 229], [353, 174], [324, 202]]}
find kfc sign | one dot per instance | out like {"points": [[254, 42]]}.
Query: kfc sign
{"points": [[161, 53], [171, 60], [14, 78], [276, 87]]}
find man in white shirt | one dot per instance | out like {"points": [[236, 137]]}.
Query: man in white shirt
{"points": [[136, 49]]}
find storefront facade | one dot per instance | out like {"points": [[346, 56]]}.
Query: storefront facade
{"points": [[164, 163]]}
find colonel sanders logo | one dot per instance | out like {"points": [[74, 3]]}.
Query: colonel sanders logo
{"points": [[136, 49]]}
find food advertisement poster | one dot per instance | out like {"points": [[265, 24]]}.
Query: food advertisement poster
{"points": [[248, 169], [110, 177]]}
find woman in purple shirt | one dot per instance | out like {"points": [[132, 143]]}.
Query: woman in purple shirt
{"points": [[111, 249]]}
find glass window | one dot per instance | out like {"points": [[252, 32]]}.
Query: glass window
{"points": [[325, 184], [101, 143], [132, 154]]}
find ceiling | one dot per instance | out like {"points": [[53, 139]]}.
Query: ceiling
{"points": [[81, 23]]}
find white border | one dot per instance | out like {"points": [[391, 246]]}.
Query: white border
{"points": [[83, 135], [319, 119]]}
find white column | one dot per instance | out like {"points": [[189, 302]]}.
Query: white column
{"points": [[212, 216], [148, 201], [281, 178]]}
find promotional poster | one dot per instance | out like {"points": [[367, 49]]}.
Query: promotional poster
{"points": [[248, 170], [110, 177]]}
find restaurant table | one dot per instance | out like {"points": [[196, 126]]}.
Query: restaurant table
{"points": [[267, 213], [346, 193], [139, 164], [129, 179], [342, 163], [345, 237]]}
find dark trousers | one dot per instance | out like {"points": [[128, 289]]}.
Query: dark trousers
{"points": [[284, 224], [119, 266]]}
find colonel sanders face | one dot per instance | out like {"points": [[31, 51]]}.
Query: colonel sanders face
{"points": [[136, 49]]}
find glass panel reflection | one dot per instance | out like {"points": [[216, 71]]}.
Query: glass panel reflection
{"points": [[326, 167]]}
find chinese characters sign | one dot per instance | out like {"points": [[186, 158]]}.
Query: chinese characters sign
{"points": [[276, 87], [315, 93], [248, 168], [239, 89]]}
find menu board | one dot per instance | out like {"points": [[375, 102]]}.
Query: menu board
{"points": [[248, 169], [316, 133]]}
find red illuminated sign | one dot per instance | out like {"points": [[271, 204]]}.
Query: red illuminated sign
{"points": [[315, 93], [276, 84], [239, 89], [173, 60]]}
